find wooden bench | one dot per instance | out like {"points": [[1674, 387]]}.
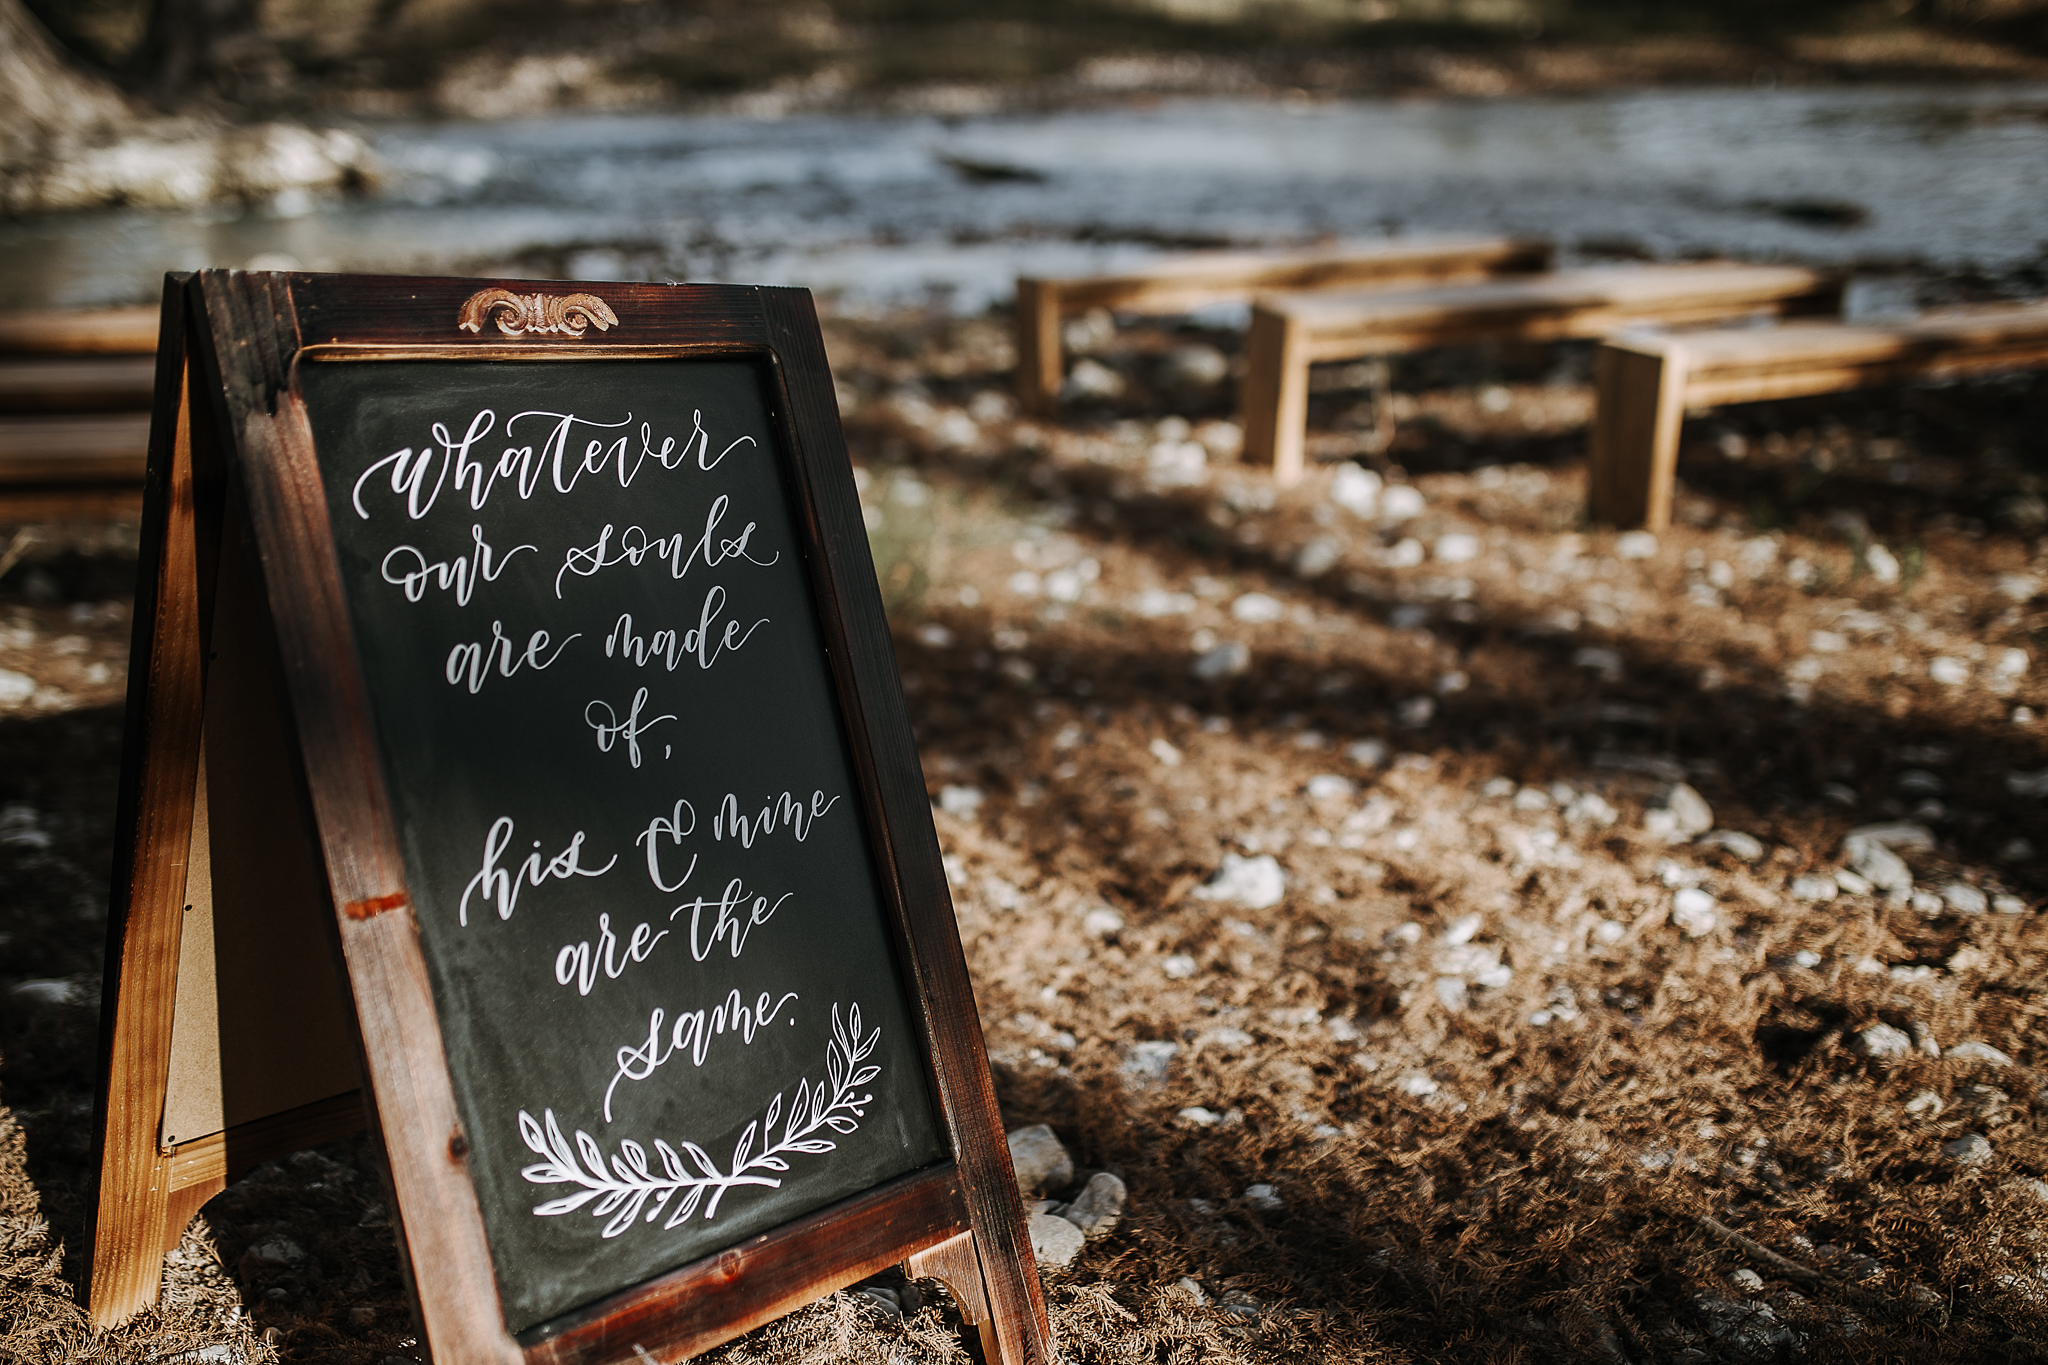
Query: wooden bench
{"points": [[1188, 282], [1646, 384], [1290, 332], [75, 392]]}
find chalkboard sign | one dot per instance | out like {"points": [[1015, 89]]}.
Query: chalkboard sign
{"points": [[662, 1009], [632, 834]]}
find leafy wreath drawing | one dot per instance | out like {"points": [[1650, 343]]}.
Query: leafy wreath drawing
{"points": [[624, 1186]]}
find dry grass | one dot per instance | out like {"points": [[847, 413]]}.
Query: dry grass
{"points": [[1578, 1164]]}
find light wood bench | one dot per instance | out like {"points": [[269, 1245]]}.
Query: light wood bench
{"points": [[1184, 283], [1290, 332], [1646, 384], [75, 391]]}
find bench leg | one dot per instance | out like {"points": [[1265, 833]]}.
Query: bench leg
{"points": [[1040, 366], [1632, 455], [1275, 415]]}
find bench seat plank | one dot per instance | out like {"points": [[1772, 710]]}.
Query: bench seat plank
{"points": [[70, 449], [1183, 283], [103, 331], [1290, 332], [1646, 384], [104, 383]]}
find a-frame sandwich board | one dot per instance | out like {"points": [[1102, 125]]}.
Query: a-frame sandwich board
{"points": [[244, 609]]}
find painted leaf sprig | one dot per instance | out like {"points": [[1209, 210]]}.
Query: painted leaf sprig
{"points": [[627, 1188]]}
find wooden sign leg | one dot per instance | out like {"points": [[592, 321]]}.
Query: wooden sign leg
{"points": [[135, 1216], [954, 1264]]}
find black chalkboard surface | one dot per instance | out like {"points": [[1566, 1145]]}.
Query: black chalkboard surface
{"points": [[631, 832]]}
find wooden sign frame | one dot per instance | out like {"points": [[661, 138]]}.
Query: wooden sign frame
{"points": [[234, 493]]}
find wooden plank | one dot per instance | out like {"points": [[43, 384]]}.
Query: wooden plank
{"points": [[1040, 366], [442, 1226], [763, 1277], [1186, 282], [907, 853], [223, 1156], [1632, 452], [153, 834], [96, 449], [59, 503], [104, 331], [1275, 409], [1570, 303], [1183, 283], [114, 383], [957, 1265]]}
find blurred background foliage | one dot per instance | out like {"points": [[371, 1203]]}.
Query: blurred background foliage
{"points": [[265, 54]]}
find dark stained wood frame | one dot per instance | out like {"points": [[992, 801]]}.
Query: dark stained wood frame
{"points": [[960, 1220]]}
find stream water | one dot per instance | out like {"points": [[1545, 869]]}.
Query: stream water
{"points": [[883, 210]]}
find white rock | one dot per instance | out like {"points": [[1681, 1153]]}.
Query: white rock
{"points": [[1877, 865], [1156, 602], [1602, 660], [1457, 547], [1809, 886], [1226, 660], [1368, 753], [2036, 1190], [1415, 1083], [1145, 1064], [961, 801], [1178, 967], [1747, 1280], [1852, 885], [1882, 563], [1318, 557], [1041, 1160], [1974, 1051], [1356, 490], [1452, 993], [1054, 1241], [1693, 911], [1971, 1149], [1092, 379], [1258, 608], [1678, 814], [15, 688], [1965, 899], [1101, 922], [1881, 1042], [1401, 502], [1949, 672], [1264, 1198], [1177, 464], [1331, 787], [1186, 1288], [1099, 1207], [1200, 1116], [1635, 545], [1590, 808], [2009, 905], [1464, 929], [1164, 752], [1416, 712], [1745, 846], [1909, 835], [1255, 883]]}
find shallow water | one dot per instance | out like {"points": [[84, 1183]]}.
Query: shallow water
{"points": [[879, 210]]}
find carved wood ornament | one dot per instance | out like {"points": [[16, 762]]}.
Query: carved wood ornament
{"points": [[536, 314]]}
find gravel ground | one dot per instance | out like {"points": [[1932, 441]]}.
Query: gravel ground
{"points": [[1470, 934]]}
